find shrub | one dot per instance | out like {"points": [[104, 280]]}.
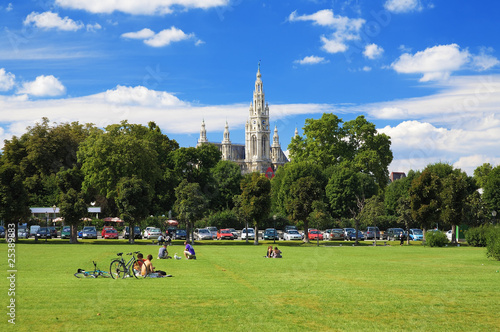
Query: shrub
{"points": [[436, 239], [477, 236], [493, 243]]}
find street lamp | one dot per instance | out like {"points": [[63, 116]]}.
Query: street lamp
{"points": [[47, 225]]}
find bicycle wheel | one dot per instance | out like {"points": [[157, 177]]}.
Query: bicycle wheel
{"points": [[82, 275], [117, 269], [136, 274], [104, 274]]}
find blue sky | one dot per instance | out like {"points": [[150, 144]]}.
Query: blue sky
{"points": [[426, 72]]}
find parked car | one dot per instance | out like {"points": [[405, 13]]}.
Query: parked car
{"points": [[88, 232], [203, 234], [2, 232], [393, 234], [104, 230], [372, 233], [250, 235], [34, 230], [146, 230], [416, 234], [66, 232], [271, 234], [292, 234], [350, 234], [44, 233], [234, 232], [53, 231], [336, 234], [137, 232], [326, 234], [180, 234], [449, 235], [22, 232], [213, 231], [225, 234], [111, 233], [153, 233], [314, 234]]}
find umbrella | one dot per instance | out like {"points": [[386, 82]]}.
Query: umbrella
{"points": [[172, 222]]}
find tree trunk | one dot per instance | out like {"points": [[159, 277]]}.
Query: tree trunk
{"points": [[73, 237], [131, 233], [256, 240]]}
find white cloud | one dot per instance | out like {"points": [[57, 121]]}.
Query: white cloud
{"points": [[344, 28], [43, 86], [484, 61], [434, 63], [366, 68], [9, 7], [142, 96], [141, 34], [50, 20], [93, 27], [134, 7], [7, 80], [162, 38], [373, 51], [311, 60], [402, 6]]}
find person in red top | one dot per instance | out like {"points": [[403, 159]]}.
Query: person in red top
{"points": [[138, 264]]}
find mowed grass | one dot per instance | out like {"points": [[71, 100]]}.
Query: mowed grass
{"points": [[235, 288]]}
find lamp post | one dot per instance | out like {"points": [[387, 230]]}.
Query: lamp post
{"points": [[46, 225], [275, 231], [494, 214]]}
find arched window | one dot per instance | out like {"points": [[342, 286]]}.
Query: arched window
{"points": [[254, 146], [264, 144]]}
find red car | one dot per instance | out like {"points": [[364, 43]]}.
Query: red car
{"points": [[225, 234], [314, 234], [111, 234], [105, 228]]}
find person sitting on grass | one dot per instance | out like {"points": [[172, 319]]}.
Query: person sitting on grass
{"points": [[189, 251], [138, 264], [163, 253], [269, 253], [277, 253], [148, 269]]}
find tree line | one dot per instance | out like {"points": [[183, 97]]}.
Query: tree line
{"points": [[337, 177]]}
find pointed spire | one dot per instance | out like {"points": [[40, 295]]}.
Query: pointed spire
{"points": [[276, 138], [203, 134], [296, 132], [226, 134]]}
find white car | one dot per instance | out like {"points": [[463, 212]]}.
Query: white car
{"points": [[152, 233], [449, 235], [203, 234], [213, 231], [292, 234], [251, 234]]}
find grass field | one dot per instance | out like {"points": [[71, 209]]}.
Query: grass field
{"points": [[232, 287]]}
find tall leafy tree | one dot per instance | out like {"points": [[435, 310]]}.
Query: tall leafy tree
{"points": [[119, 152], [326, 142], [190, 204], [481, 174], [133, 200], [226, 183], [304, 193], [491, 194], [254, 203], [425, 197], [72, 205]]}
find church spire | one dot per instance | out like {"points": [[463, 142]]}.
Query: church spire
{"points": [[203, 134]]}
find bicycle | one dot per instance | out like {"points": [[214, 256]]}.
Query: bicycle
{"points": [[120, 269], [92, 274]]}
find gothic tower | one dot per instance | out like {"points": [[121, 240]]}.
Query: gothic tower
{"points": [[203, 135], [257, 132], [226, 144]]}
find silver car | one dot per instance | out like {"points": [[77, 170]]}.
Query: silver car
{"points": [[203, 234]]}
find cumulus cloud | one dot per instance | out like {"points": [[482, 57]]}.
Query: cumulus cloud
{"points": [[43, 86], [162, 38], [344, 28], [134, 7], [438, 62], [50, 20], [7, 80], [311, 60], [373, 51], [142, 96], [403, 6], [434, 63]]}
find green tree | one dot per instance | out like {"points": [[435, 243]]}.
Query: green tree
{"points": [[425, 199], [14, 204], [190, 204], [119, 152], [491, 193], [133, 200], [226, 181], [357, 142], [300, 203], [481, 174], [72, 206], [254, 203]]}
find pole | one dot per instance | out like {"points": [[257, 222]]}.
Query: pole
{"points": [[275, 231]]}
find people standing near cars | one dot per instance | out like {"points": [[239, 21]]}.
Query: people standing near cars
{"points": [[401, 238], [189, 252]]}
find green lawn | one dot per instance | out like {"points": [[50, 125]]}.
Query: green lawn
{"points": [[232, 287]]}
